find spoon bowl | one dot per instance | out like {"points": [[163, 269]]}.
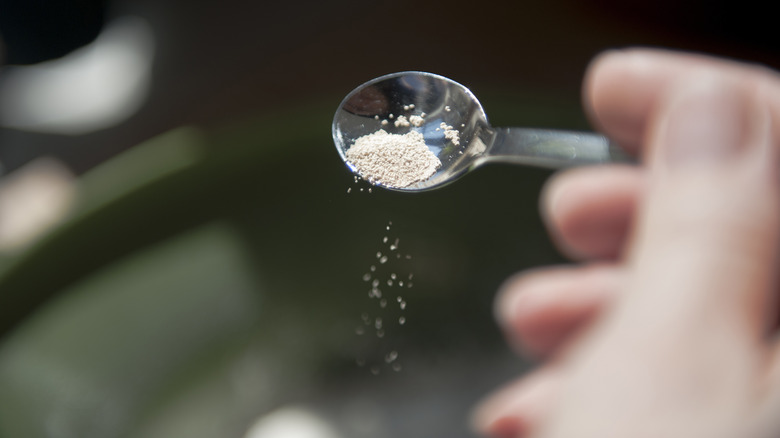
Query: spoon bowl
{"points": [[378, 103]]}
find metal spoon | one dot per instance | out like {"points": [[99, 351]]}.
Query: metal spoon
{"points": [[443, 100]]}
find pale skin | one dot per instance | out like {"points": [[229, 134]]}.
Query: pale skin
{"points": [[664, 327]]}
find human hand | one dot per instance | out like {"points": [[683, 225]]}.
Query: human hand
{"points": [[663, 330]]}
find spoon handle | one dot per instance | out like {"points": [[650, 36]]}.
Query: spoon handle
{"points": [[552, 149]]}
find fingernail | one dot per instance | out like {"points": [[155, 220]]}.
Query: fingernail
{"points": [[519, 408], [496, 417], [704, 123]]}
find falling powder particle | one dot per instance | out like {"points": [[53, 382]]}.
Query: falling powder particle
{"points": [[393, 160], [391, 356], [388, 317]]}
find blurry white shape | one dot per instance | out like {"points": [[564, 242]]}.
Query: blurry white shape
{"points": [[92, 88], [32, 199], [291, 422]]}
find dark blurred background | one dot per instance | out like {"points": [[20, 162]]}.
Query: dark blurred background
{"points": [[179, 255]]}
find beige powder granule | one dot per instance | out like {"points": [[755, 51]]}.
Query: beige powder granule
{"points": [[402, 121], [451, 133], [416, 121], [393, 160]]}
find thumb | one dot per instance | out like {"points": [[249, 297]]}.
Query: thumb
{"points": [[705, 244]]}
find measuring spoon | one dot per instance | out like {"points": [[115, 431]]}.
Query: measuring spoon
{"points": [[442, 100]]}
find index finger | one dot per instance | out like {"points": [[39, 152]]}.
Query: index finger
{"points": [[623, 87]]}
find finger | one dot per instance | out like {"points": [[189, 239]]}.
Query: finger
{"points": [[766, 417], [589, 211], [544, 310], [707, 233], [622, 88], [516, 410]]}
